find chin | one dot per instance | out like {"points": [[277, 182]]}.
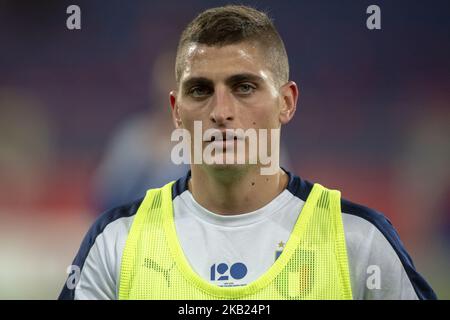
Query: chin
{"points": [[229, 170]]}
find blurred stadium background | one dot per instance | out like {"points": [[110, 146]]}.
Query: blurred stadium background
{"points": [[84, 119]]}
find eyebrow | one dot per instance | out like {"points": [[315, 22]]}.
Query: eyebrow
{"points": [[241, 77], [195, 81]]}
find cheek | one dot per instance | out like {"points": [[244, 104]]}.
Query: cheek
{"points": [[265, 116], [193, 109], [189, 114], [187, 111]]}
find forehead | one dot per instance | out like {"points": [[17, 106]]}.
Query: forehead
{"points": [[215, 62]]}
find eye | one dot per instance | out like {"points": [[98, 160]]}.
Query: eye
{"points": [[245, 88], [199, 92]]}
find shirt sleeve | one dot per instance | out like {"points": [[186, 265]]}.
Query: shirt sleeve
{"points": [[380, 267], [99, 257], [97, 279]]}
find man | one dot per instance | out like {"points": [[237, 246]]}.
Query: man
{"points": [[234, 230]]}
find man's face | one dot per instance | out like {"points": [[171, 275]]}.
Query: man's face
{"points": [[229, 87]]}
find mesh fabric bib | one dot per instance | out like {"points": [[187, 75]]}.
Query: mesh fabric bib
{"points": [[313, 265]]}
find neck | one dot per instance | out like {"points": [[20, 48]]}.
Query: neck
{"points": [[235, 191]]}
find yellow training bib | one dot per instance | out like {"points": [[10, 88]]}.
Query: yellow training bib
{"points": [[313, 265]]}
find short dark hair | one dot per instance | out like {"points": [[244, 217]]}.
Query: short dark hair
{"points": [[233, 24]]}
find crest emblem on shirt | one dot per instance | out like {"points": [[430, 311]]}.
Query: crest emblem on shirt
{"points": [[280, 247]]}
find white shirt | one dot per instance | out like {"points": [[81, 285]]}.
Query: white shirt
{"points": [[234, 250], [223, 250]]}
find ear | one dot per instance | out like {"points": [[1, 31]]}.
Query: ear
{"points": [[175, 109], [289, 93]]}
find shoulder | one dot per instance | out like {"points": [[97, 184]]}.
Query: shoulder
{"points": [[99, 256], [100, 251], [373, 241], [112, 223], [374, 245]]}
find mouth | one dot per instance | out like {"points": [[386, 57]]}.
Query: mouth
{"points": [[226, 137]]}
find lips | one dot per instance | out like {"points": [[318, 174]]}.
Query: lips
{"points": [[226, 136]]}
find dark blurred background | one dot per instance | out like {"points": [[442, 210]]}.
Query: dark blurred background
{"points": [[85, 119]]}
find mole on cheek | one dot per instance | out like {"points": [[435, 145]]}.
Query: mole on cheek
{"points": [[253, 183]]}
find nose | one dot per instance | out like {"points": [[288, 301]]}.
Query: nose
{"points": [[222, 107]]}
